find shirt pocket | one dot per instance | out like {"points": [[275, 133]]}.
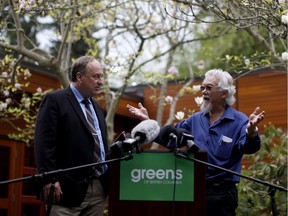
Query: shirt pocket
{"points": [[224, 147]]}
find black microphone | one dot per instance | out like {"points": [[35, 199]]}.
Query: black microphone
{"points": [[117, 146], [186, 139], [172, 137], [169, 136]]}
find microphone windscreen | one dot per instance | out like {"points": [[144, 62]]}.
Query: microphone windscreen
{"points": [[147, 130]]}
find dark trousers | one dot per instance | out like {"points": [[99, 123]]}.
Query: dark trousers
{"points": [[221, 199]]}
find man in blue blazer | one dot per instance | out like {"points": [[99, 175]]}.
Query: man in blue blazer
{"points": [[63, 139]]}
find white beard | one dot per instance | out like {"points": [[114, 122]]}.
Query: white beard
{"points": [[206, 108]]}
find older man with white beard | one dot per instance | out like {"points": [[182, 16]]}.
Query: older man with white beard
{"points": [[225, 133]]}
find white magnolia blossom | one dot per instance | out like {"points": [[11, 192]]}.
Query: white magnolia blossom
{"points": [[8, 100], [284, 18], [198, 100], [27, 73], [4, 74], [24, 100], [3, 106], [169, 99], [196, 87], [179, 115], [284, 56], [106, 67], [6, 93], [173, 71], [247, 62], [17, 85]]}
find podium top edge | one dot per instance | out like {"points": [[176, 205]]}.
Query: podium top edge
{"points": [[169, 151]]}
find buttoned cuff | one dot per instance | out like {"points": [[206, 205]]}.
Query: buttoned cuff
{"points": [[252, 135]]}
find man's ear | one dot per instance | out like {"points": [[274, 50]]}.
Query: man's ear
{"points": [[78, 76], [224, 93]]}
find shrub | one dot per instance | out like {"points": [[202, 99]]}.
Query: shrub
{"points": [[269, 165]]}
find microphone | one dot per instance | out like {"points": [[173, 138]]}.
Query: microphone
{"points": [[117, 146], [169, 136], [173, 137], [187, 140], [146, 131], [142, 134]]}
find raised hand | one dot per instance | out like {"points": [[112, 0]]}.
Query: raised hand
{"points": [[140, 112], [254, 119]]}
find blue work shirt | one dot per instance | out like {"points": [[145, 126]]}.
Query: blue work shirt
{"points": [[225, 141]]}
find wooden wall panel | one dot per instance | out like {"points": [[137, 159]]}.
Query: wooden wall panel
{"points": [[269, 92], [45, 81]]}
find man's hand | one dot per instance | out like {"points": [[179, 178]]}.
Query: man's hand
{"points": [[254, 119], [141, 112], [56, 192]]}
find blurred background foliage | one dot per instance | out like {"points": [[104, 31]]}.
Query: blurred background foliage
{"points": [[269, 165]]}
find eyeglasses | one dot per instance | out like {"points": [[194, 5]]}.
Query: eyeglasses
{"points": [[207, 87]]}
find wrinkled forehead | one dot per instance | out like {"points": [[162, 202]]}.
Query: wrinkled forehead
{"points": [[211, 80]]}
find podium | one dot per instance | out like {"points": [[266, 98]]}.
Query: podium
{"points": [[155, 182]]}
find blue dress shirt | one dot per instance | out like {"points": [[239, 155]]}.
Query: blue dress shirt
{"points": [[225, 141], [80, 98]]}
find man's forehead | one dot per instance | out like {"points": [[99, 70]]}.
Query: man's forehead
{"points": [[95, 65], [210, 81]]}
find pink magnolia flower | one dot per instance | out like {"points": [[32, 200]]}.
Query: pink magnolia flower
{"points": [[173, 71], [201, 65], [39, 90]]}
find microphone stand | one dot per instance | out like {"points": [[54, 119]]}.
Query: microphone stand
{"points": [[43, 175], [272, 187]]}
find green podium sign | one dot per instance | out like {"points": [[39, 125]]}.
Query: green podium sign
{"points": [[157, 176]]}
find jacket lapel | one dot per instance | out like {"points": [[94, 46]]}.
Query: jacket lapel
{"points": [[76, 106]]}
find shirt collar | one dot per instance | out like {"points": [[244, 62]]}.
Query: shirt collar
{"points": [[77, 94], [228, 113]]}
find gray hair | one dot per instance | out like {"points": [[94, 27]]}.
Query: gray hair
{"points": [[225, 82]]}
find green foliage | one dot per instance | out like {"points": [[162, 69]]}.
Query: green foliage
{"points": [[18, 108], [269, 165]]}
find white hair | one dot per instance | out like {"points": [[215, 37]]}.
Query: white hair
{"points": [[225, 82]]}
